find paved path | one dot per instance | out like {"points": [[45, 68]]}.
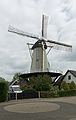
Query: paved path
{"points": [[39, 109]]}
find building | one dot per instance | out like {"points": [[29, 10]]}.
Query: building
{"points": [[68, 77]]}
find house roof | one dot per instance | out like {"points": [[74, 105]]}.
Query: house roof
{"points": [[73, 72], [59, 80]]}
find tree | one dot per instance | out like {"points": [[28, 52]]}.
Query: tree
{"points": [[64, 86], [72, 85], [16, 76], [2, 79], [41, 83], [3, 90]]}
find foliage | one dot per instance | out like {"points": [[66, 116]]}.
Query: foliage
{"points": [[64, 86], [3, 90], [30, 93], [67, 93], [41, 83], [68, 86], [67, 89], [2, 79], [72, 85], [16, 76], [48, 94]]}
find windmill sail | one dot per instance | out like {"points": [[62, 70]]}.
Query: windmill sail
{"points": [[44, 26], [20, 32], [59, 46], [39, 59]]}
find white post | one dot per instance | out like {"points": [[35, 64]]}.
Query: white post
{"points": [[38, 94], [16, 95]]}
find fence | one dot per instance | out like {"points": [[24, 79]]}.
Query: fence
{"points": [[41, 94], [23, 95]]}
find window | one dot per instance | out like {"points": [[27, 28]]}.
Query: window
{"points": [[69, 77]]}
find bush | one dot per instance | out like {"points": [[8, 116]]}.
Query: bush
{"points": [[58, 93], [64, 86], [29, 90], [63, 93], [3, 90], [30, 93], [48, 94], [72, 85], [41, 83]]}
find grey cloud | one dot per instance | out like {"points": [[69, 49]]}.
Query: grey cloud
{"points": [[26, 15]]}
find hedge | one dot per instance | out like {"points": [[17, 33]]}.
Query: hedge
{"points": [[48, 94], [67, 93], [30, 93], [60, 93], [3, 91]]}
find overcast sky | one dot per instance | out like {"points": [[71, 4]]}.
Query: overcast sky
{"points": [[26, 15]]}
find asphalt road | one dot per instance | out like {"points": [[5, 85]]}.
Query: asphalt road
{"points": [[66, 111]]}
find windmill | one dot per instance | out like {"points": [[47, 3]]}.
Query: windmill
{"points": [[39, 56]]}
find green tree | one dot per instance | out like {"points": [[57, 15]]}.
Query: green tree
{"points": [[16, 76], [3, 90], [64, 86], [2, 79], [72, 85], [41, 83]]}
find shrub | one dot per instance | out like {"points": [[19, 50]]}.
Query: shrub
{"points": [[48, 94], [3, 90], [41, 83], [67, 93], [72, 85], [64, 86], [30, 93]]}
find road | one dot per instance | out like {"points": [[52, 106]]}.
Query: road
{"points": [[39, 109]]}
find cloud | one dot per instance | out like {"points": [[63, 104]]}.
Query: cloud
{"points": [[26, 15]]}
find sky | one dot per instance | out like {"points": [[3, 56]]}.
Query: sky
{"points": [[27, 15]]}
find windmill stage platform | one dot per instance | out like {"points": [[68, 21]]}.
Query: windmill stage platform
{"points": [[51, 74]]}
